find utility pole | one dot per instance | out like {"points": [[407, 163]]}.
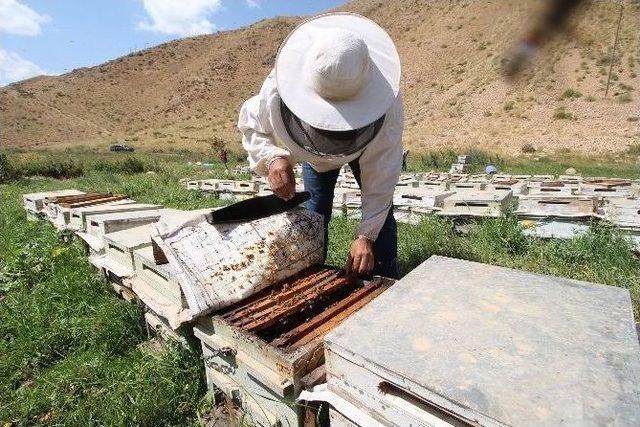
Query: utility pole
{"points": [[613, 52]]}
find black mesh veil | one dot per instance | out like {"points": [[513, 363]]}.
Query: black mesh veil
{"points": [[325, 142]]}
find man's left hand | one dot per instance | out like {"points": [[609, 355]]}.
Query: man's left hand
{"points": [[361, 260]]}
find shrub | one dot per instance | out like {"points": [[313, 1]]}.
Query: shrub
{"points": [[130, 165], [624, 98], [52, 168], [7, 169], [528, 148], [570, 94], [562, 114], [508, 106]]}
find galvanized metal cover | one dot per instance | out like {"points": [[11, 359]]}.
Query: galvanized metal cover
{"points": [[495, 343]]}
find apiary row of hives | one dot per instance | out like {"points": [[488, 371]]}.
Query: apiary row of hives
{"points": [[548, 206], [261, 345]]}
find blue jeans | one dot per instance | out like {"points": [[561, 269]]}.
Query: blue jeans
{"points": [[321, 186]]}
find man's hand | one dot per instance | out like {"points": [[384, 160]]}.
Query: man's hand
{"points": [[281, 179], [361, 260]]}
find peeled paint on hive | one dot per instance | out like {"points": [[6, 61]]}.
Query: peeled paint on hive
{"points": [[220, 264]]}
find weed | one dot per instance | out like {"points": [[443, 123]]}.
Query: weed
{"points": [[624, 98], [561, 113], [634, 149], [528, 148], [508, 106], [570, 94]]}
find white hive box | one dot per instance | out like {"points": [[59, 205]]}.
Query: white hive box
{"points": [[607, 188], [432, 184], [552, 188], [570, 178], [58, 208], [542, 178], [34, 202], [117, 261], [538, 206], [62, 217], [625, 213], [98, 225], [467, 186], [477, 203], [489, 346], [420, 197], [157, 286], [79, 216], [515, 186]]}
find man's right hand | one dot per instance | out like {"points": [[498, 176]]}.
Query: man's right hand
{"points": [[281, 179]]}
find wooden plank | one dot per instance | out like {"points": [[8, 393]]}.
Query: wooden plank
{"points": [[269, 301], [81, 204], [327, 327], [315, 322], [270, 316]]}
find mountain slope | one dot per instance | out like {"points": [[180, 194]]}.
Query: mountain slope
{"points": [[179, 95]]}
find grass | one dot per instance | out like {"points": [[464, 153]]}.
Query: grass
{"points": [[73, 353], [623, 166]]}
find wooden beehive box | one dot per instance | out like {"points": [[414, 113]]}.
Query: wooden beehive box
{"points": [[420, 197], [79, 216], [477, 203], [467, 186], [34, 203], [117, 261], [459, 343], [58, 209], [552, 188], [263, 350], [440, 185], [515, 186], [537, 206], [157, 286], [98, 225], [625, 213], [607, 188]]}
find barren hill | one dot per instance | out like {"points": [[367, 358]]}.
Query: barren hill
{"points": [[177, 95]]}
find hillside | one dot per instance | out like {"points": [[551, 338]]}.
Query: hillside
{"points": [[177, 95]]}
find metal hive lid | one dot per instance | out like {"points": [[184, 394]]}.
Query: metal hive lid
{"points": [[502, 345]]}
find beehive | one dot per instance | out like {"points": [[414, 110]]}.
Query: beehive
{"points": [[157, 286], [476, 203], [117, 261], [34, 203], [474, 344], [264, 350], [537, 206], [79, 216], [420, 197], [98, 225], [552, 188]]}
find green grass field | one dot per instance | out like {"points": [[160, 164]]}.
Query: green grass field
{"points": [[72, 353]]}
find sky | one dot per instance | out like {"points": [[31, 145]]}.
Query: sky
{"points": [[56, 36]]}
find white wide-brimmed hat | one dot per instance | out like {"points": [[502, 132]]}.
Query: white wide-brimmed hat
{"points": [[338, 71]]}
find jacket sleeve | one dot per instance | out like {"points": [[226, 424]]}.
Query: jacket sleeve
{"points": [[254, 122], [380, 166]]}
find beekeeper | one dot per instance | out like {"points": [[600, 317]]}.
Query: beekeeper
{"points": [[333, 99]]}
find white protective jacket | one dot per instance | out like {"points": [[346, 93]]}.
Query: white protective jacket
{"points": [[264, 137]]}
